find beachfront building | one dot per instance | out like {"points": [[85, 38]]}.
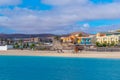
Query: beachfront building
{"points": [[80, 39], [74, 37], [70, 39], [109, 37], [35, 39], [26, 40], [86, 41], [66, 39]]}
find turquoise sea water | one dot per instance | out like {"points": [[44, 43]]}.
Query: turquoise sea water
{"points": [[56, 68]]}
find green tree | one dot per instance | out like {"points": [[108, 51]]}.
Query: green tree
{"points": [[112, 43], [104, 44], [32, 46], [16, 46], [27, 45], [119, 41], [99, 45], [24, 45]]}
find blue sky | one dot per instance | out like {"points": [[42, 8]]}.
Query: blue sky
{"points": [[59, 16]]}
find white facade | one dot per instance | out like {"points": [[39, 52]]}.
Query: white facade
{"points": [[6, 47], [109, 39]]}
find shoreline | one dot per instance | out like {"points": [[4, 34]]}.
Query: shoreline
{"points": [[83, 54]]}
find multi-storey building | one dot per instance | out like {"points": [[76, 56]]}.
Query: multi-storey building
{"points": [[86, 41], [108, 37], [79, 38], [74, 36]]}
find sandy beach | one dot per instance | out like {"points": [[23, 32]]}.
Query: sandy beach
{"points": [[84, 54]]}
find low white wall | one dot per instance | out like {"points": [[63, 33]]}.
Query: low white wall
{"points": [[6, 47], [9, 46], [3, 47]]}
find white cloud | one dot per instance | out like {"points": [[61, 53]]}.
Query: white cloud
{"points": [[64, 2], [86, 25], [9, 2], [64, 15]]}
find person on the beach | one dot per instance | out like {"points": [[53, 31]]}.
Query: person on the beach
{"points": [[60, 51], [76, 49]]}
